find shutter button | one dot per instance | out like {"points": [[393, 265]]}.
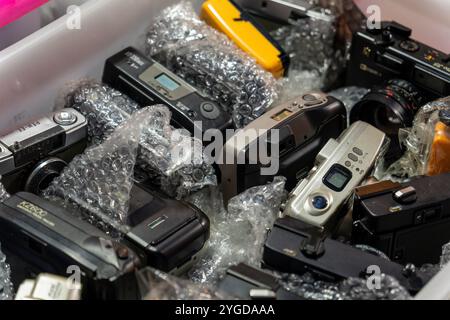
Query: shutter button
{"points": [[65, 118]]}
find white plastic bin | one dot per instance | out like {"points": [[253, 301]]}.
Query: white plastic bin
{"points": [[33, 70]]}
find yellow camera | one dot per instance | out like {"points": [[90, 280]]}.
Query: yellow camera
{"points": [[227, 17]]}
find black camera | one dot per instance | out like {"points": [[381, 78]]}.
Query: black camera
{"points": [[147, 82], [167, 234], [32, 156], [409, 222], [285, 251], [249, 283], [45, 238], [403, 74]]}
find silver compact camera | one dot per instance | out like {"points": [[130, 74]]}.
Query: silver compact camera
{"points": [[341, 166], [32, 156]]}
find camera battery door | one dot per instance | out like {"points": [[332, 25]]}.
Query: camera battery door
{"points": [[148, 83], [338, 261], [341, 166], [27, 153], [168, 234], [229, 18], [409, 222], [47, 238], [382, 54], [293, 134]]}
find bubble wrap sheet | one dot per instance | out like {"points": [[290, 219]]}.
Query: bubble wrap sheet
{"points": [[423, 156], [157, 285], [170, 156], [239, 234], [209, 61], [3, 193], [6, 287], [98, 182]]}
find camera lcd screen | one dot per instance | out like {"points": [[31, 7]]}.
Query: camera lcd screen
{"points": [[337, 178], [167, 82], [280, 116]]}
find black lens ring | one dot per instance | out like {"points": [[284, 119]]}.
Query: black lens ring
{"points": [[50, 167]]}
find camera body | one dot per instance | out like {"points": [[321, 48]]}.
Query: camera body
{"points": [[148, 83], [47, 238], [167, 234], [33, 155], [249, 283], [337, 261], [382, 54], [409, 222], [304, 125], [340, 167]]}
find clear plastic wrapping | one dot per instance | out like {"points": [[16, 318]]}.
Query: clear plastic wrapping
{"points": [[6, 287], [239, 234], [98, 182], [309, 287], [427, 144], [349, 96], [209, 61], [171, 157], [3, 193], [157, 285]]}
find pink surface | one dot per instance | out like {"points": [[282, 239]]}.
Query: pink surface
{"points": [[429, 19], [11, 10]]}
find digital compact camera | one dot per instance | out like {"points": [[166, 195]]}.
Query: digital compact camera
{"points": [[409, 222], [284, 251], [46, 238], [32, 156], [341, 166], [148, 82], [403, 74], [293, 133]]}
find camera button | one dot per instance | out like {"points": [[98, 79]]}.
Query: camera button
{"points": [[348, 164], [357, 151], [65, 118], [410, 46], [352, 157], [209, 110], [309, 97]]}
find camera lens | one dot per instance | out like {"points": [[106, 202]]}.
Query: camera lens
{"points": [[43, 174], [320, 202]]}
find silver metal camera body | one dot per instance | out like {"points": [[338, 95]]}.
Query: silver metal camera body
{"points": [[33, 155], [341, 166]]}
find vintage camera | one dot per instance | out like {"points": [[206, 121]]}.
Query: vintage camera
{"points": [[32, 156], [284, 251], [167, 234], [249, 283], [304, 125], [147, 82], [228, 17], [47, 238], [340, 167], [409, 222], [404, 74]]}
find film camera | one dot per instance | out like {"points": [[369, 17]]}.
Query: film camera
{"points": [[167, 234], [149, 83], [404, 74], [249, 283], [304, 125], [284, 251], [340, 167], [47, 238], [409, 222], [32, 156]]}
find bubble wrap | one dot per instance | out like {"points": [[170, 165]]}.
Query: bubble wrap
{"points": [[239, 234], [98, 182], [309, 287], [3, 193], [419, 143], [171, 157], [157, 285], [209, 61], [349, 96], [6, 287]]}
